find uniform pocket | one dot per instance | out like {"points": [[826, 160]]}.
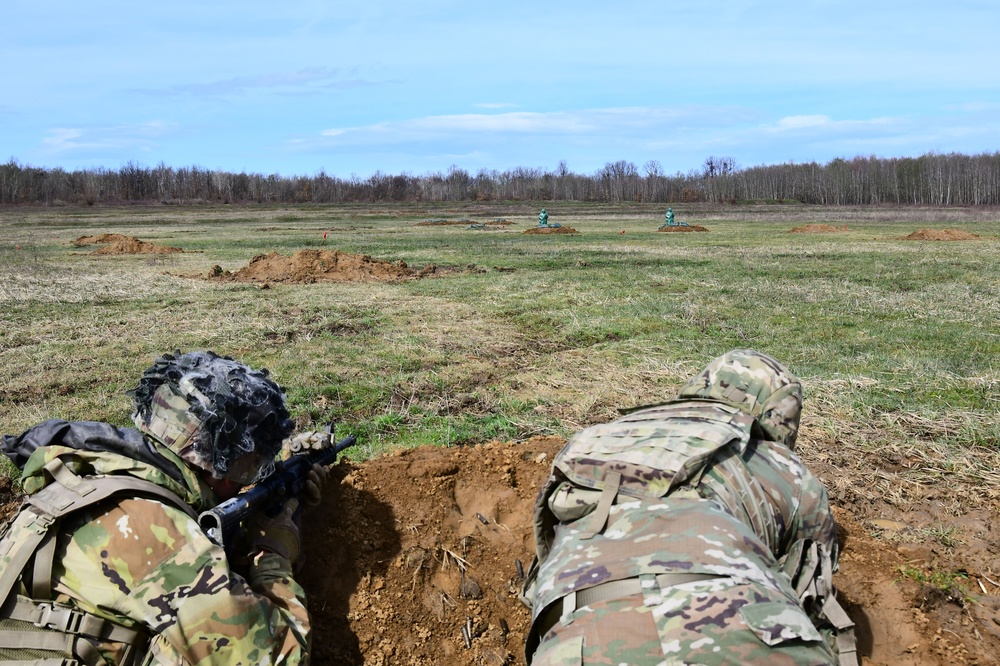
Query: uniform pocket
{"points": [[777, 622], [567, 652]]}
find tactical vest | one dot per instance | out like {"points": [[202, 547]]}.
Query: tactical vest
{"points": [[34, 630], [655, 455]]}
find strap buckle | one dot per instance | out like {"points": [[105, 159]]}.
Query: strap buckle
{"points": [[60, 618]]}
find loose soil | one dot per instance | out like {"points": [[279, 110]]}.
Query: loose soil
{"points": [[310, 266], [408, 548], [941, 235], [682, 229], [816, 229], [120, 244], [551, 230]]}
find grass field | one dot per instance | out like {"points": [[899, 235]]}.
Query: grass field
{"points": [[897, 341]]}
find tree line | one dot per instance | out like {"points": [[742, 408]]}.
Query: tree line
{"points": [[933, 179]]}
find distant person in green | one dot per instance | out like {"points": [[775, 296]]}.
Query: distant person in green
{"points": [[689, 532], [543, 219], [670, 217], [106, 563]]}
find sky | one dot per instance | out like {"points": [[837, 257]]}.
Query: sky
{"points": [[302, 86]]}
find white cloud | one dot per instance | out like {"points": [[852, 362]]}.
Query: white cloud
{"points": [[795, 122], [305, 80], [119, 137], [587, 123]]}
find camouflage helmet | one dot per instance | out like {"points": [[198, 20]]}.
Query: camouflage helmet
{"points": [[216, 413], [759, 385]]}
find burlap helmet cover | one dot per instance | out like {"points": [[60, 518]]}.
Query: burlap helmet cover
{"points": [[217, 414]]}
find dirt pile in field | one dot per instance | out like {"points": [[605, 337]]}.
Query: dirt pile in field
{"points": [[551, 230], [680, 228], [309, 266], [940, 235], [815, 229], [409, 548], [120, 244]]}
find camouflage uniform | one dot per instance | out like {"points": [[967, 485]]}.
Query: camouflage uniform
{"points": [[687, 532], [139, 559]]}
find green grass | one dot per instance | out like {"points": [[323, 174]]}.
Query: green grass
{"points": [[897, 341]]}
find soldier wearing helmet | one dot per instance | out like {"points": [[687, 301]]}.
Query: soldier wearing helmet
{"points": [[106, 564], [689, 532]]}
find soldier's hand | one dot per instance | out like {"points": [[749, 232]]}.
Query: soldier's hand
{"points": [[316, 481], [279, 535]]}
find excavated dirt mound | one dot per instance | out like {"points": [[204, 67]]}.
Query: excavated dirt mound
{"points": [[409, 548], [941, 235], [417, 543], [690, 227], [551, 230], [815, 229], [120, 244], [309, 266]]}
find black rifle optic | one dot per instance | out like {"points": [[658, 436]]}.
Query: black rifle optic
{"points": [[287, 481]]}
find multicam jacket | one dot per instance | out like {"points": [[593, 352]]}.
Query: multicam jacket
{"points": [[672, 502], [140, 561]]}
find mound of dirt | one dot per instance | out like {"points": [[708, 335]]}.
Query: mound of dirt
{"points": [[941, 235], [420, 543], [815, 229], [309, 266], [551, 230], [101, 239], [120, 244], [678, 228]]}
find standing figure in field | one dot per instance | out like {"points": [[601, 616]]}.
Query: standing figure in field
{"points": [[670, 217], [689, 532], [105, 563], [543, 219]]}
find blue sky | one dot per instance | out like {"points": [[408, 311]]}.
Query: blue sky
{"points": [[300, 86]]}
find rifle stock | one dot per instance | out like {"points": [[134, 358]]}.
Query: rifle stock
{"points": [[287, 481]]}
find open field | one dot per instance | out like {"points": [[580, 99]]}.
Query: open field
{"points": [[516, 335]]}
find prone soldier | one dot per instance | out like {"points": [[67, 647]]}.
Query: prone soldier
{"points": [[689, 532], [105, 563]]}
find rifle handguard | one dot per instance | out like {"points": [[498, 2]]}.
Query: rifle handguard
{"points": [[287, 480]]}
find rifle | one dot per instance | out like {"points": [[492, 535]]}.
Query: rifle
{"points": [[287, 481]]}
